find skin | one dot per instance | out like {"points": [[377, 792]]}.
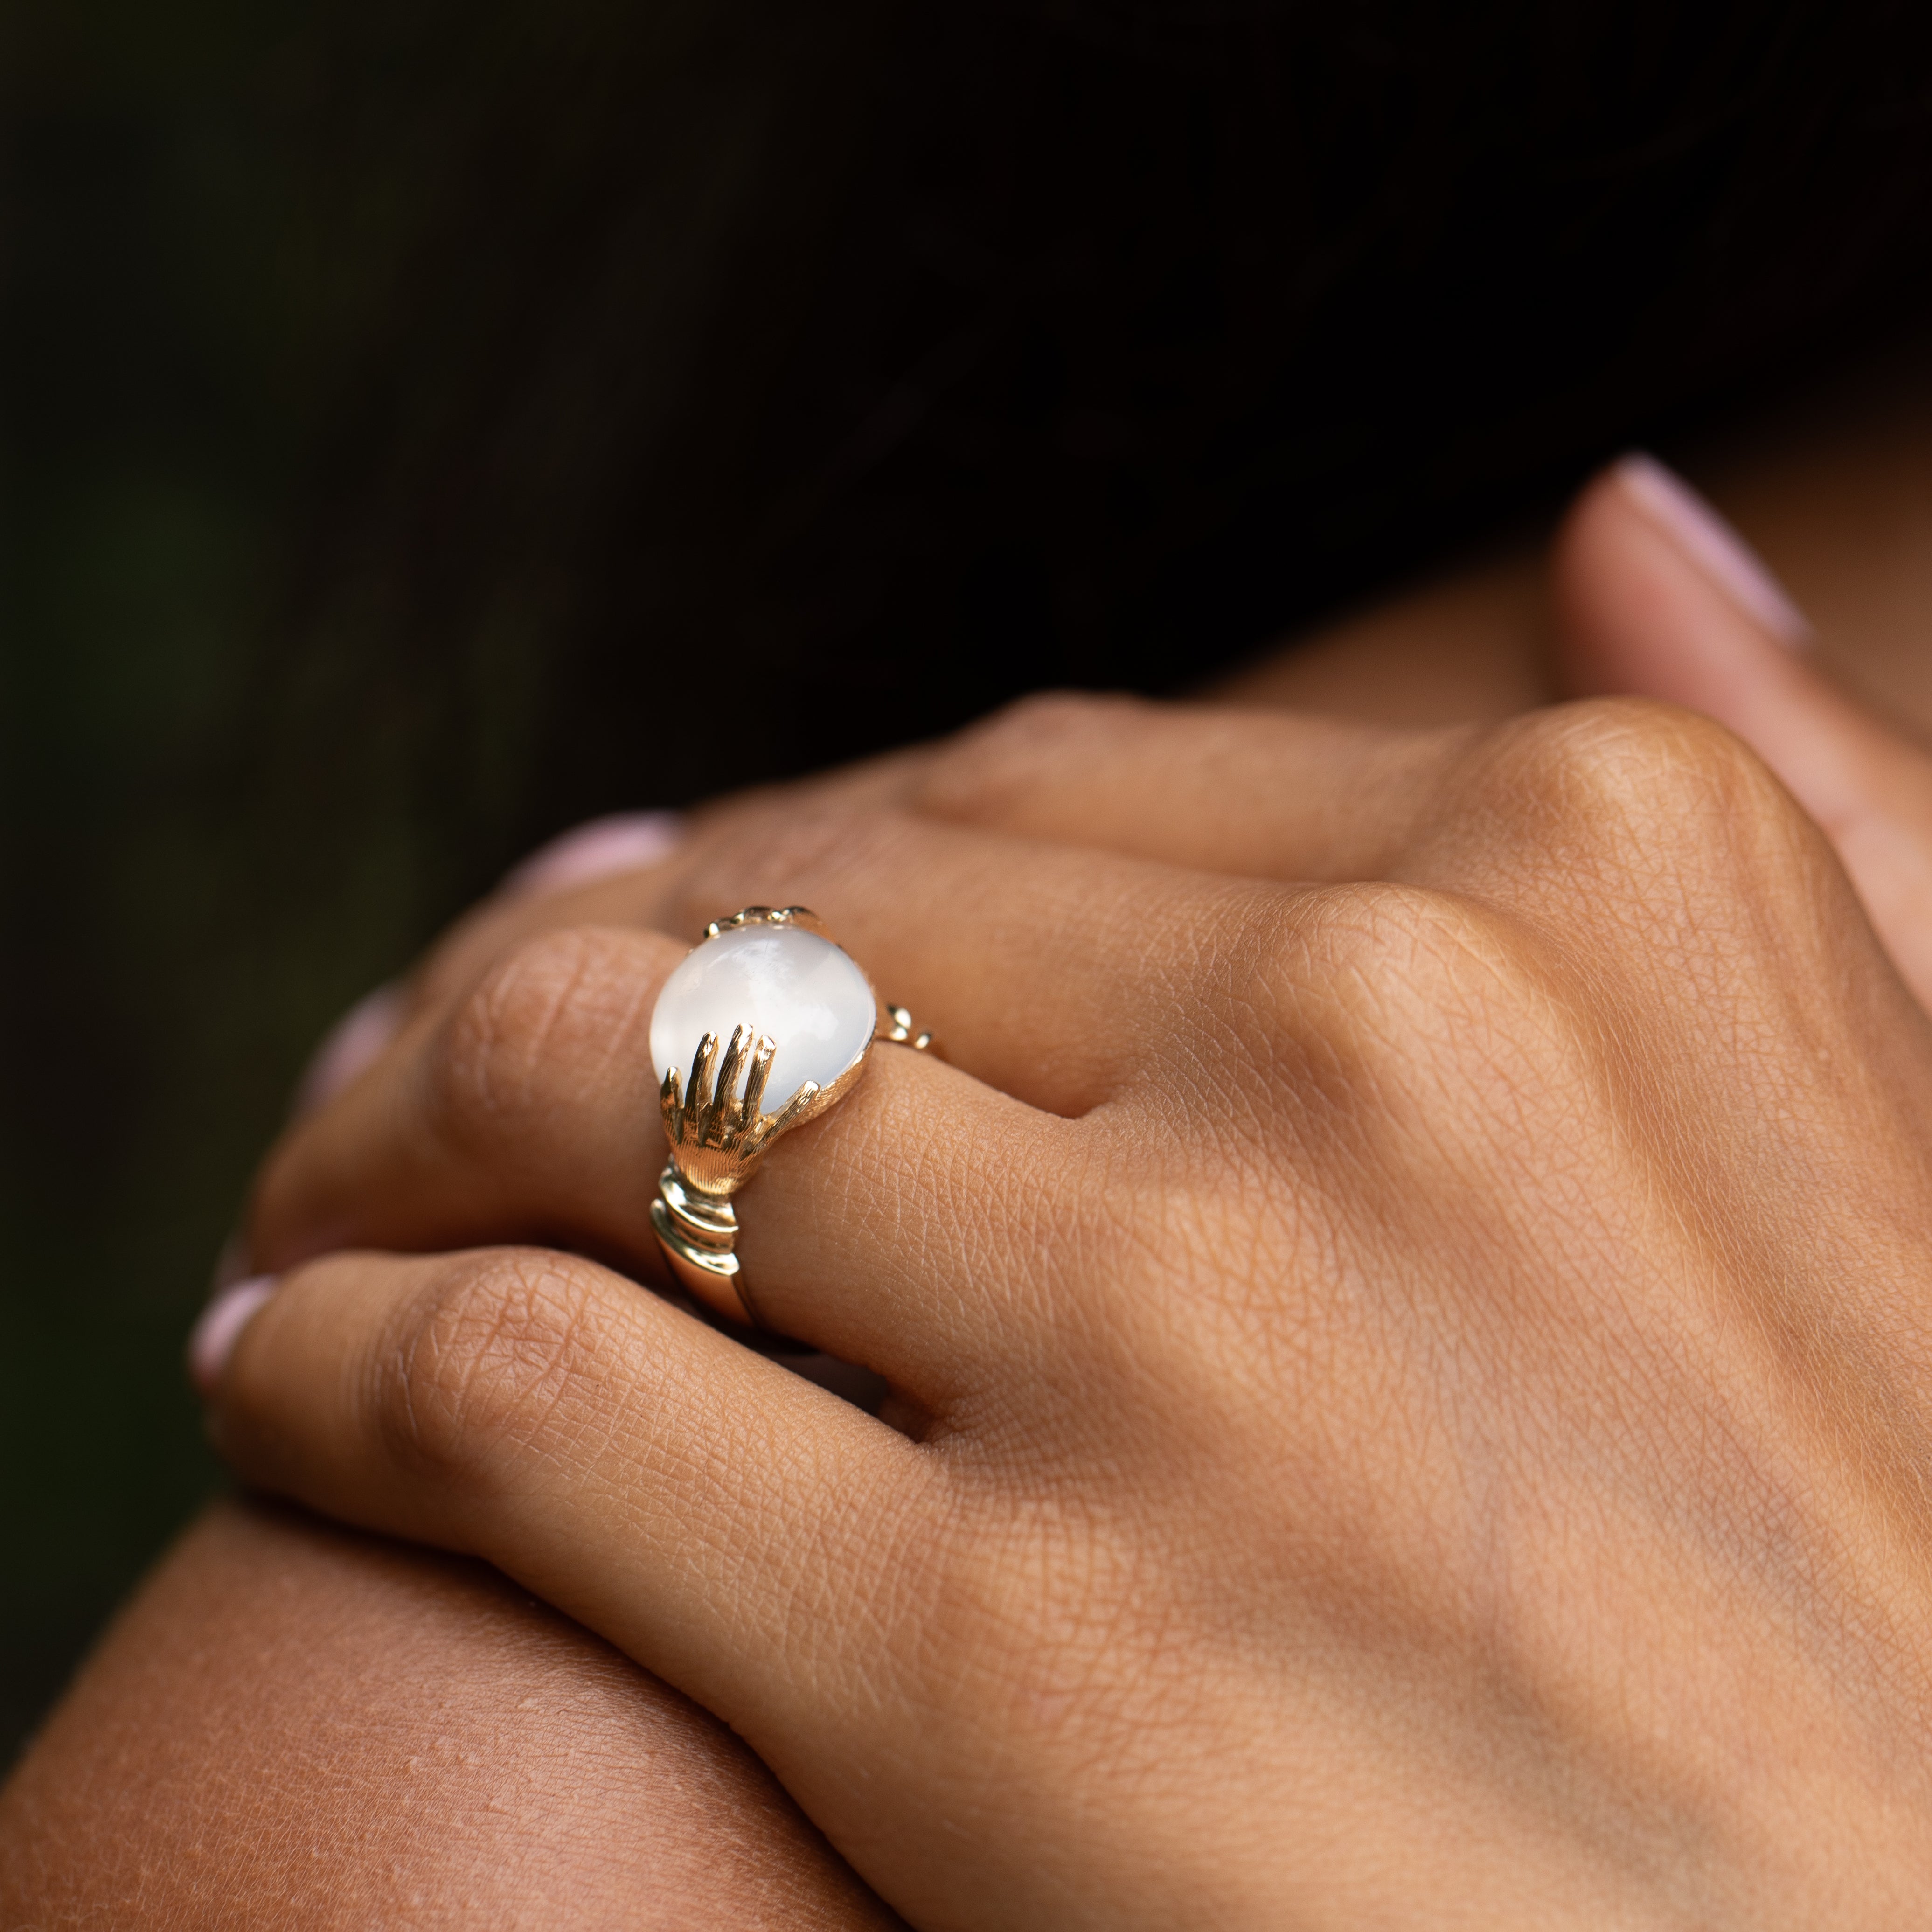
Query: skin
{"points": [[1541, 1203], [293, 1724], [1499, 621], [1832, 490]]}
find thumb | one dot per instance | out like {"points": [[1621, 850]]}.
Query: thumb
{"points": [[1657, 596]]}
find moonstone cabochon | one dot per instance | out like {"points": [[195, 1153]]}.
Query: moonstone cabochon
{"points": [[802, 990]]}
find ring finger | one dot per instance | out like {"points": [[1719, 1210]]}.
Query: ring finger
{"points": [[526, 1111]]}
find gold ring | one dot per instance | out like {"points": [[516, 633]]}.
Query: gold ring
{"points": [[801, 1019]]}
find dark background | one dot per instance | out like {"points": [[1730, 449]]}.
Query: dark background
{"points": [[420, 425]]}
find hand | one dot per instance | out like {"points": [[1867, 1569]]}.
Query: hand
{"points": [[1424, 1380]]}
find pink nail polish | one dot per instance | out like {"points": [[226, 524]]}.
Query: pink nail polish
{"points": [[1714, 546], [214, 1337], [355, 1041], [624, 842]]}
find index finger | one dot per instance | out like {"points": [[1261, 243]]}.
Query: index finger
{"points": [[1272, 795]]}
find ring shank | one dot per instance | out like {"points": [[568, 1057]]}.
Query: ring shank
{"points": [[698, 1233], [698, 1228]]}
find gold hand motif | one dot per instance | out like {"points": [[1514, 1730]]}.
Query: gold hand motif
{"points": [[710, 1117]]}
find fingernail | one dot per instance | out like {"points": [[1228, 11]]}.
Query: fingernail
{"points": [[355, 1041], [1710, 544], [222, 1321], [622, 843]]}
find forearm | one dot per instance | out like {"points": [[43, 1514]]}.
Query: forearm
{"points": [[291, 1724]]}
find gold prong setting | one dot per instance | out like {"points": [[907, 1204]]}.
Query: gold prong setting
{"points": [[897, 1027], [803, 917]]}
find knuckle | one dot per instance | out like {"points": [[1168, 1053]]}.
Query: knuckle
{"points": [[988, 771], [493, 1353], [559, 1002], [1404, 997], [1623, 789], [1402, 956], [1625, 750]]}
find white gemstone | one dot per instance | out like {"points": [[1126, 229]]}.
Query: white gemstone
{"points": [[801, 990]]}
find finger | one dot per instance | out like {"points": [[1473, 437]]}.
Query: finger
{"points": [[1656, 597], [350, 1047], [586, 876], [1029, 961], [1032, 961], [891, 1232], [530, 1113], [706, 1512], [1269, 795], [606, 848], [1226, 790]]}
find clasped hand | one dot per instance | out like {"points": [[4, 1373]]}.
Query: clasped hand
{"points": [[1407, 1315]]}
